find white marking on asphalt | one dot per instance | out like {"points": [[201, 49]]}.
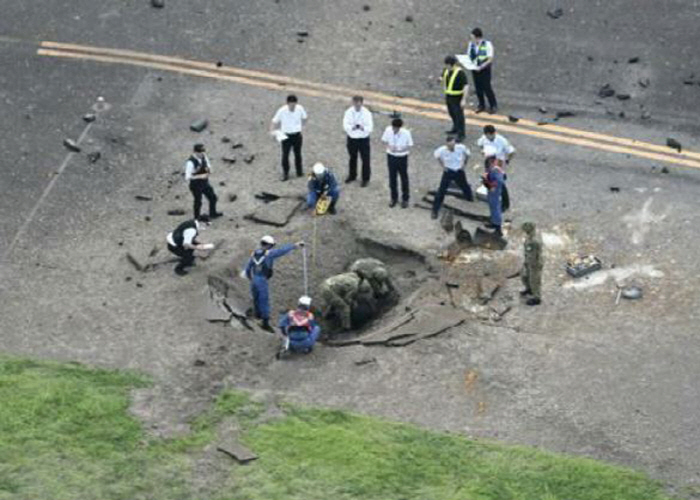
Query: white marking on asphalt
{"points": [[23, 228], [640, 222]]}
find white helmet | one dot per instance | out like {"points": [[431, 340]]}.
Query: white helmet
{"points": [[305, 301], [489, 151], [267, 240], [319, 169]]}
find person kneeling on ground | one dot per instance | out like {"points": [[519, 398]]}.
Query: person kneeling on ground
{"points": [[322, 183], [183, 242], [299, 327]]}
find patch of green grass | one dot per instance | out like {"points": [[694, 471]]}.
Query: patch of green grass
{"points": [[65, 434]]}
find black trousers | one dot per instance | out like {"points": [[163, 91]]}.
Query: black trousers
{"points": [[459, 178], [361, 147], [293, 141], [186, 255], [398, 167], [200, 187], [482, 83], [454, 108]]}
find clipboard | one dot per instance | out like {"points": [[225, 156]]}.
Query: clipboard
{"points": [[466, 62]]}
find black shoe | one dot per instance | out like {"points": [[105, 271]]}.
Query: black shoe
{"points": [[433, 215], [490, 225], [180, 271], [534, 301], [453, 131], [331, 210], [480, 109], [523, 293], [285, 177], [404, 204], [364, 184], [492, 110], [216, 215], [265, 325], [300, 174], [392, 203], [460, 138], [349, 180]]}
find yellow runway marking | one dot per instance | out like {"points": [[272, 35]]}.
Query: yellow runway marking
{"points": [[386, 102]]}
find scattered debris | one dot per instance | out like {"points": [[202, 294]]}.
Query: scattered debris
{"points": [[143, 197], [645, 115], [590, 58], [219, 64], [232, 197], [447, 221], [278, 214], [199, 125], [249, 159], [239, 453], [623, 97], [622, 114], [303, 33], [633, 60], [543, 122], [619, 274], [199, 362], [564, 114], [237, 145], [225, 140], [89, 118], [672, 143], [556, 13], [579, 266], [222, 183], [451, 285], [366, 8], [644, 82], [365, 361], [606, 91], [229, 159], [614, 189], [409, 19], [147, 218], [513, 119], [632, 292], [94, 156], [72, 145], [665, 170], [153, 251], [132, 260], [158, 4], [267, 197], [690, 80], [176, 211], [542, 109]]}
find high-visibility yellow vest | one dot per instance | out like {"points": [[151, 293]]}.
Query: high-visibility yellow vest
{"points": [[448, 81], [481, 56]]}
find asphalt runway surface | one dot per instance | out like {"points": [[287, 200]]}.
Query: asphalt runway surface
{"points": [[578, 374]]}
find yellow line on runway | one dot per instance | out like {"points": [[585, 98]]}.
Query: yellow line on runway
{"points": [[390, 103]]}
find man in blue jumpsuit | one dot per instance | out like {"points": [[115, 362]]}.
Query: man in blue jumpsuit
{"points": [[299, 327], [322, 182], [494, 181], [259, 270]]}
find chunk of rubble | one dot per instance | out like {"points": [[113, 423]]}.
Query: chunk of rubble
{"points": [[176, 212], [277, 214], [606, 91], [158, 4], [94, 156], [513, 119], [229, 159], [89, 118], [249, 159], [236, 451], [71, 145], [672, 143], [633, 60], [564, 114], [555, 13], [624, 97], [199, 125], [143, 197]]}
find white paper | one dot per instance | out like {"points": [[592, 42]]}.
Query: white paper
{"points": [[465, 61], [279, 135]]}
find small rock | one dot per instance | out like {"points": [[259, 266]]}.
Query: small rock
{"points": [[199, 125], [238, 145], [556, 13], [147, 218], [120, 243], [139, 285], [451, 285], [633, 60], [158, 4], [542, 109], [176, 211], [409, 19], [89, 118], [232, 197], [249, 159], [672, 143], [590, 58], [365, 361], [606, 91], [644, 82], [543, 122], [199, 362], [632, 292], [225, 139], [128, 278], [623, 97], [665, 170], [645, 115], [513, 119], [622, 114], [614, 189], [94, 156], [565, 114], [222, 183], [300, 40], [72, 145], [366, 8], [688, 82], [229, 159], [302, 33], [219, 64]]}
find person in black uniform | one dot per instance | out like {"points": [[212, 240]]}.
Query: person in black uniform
{"points": [[197, 170], [454, 85], [183, 242]]}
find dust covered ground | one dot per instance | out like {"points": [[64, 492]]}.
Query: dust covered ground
{"points": [[580, 373]]}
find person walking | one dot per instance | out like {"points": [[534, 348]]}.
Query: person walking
{"points": [[182, 242], [259, 270], [494, 143], [358, 125], [532, 266], [480, 51], [197, 171], [289, 120], [322, 182], [454, 86], [494, 182], [452, 157], [398, 142]]}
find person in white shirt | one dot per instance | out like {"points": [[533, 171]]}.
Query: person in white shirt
{"points": [[398, 142], [197, 170], [504, 150], [183, 242], [358, 125], [452, 157], [289, 120], [480, 51]]}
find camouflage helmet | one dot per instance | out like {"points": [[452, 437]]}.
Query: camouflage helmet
{"points": [[529, 227]]}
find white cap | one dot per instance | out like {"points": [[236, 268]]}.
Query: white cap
{"points": [[305, 301], [319, 169], [489, 151], [267, 240]]}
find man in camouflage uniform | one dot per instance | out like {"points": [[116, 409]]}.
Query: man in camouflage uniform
{"points": [[532, 268], [340, 294], [375, 273]]}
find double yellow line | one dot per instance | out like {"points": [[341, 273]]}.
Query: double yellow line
{"points": [[377, 100]]}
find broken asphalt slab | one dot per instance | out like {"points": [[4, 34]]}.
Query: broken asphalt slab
{"points": [[276, 214], [237, 451]]}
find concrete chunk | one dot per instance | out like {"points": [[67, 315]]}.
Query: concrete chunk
{"points": [[199, 125], [236, 451], [72, 145]]}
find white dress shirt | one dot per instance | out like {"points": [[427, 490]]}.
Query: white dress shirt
{"points": [[188, 236], [485, 43], [453, 160], [397, 144], [290, 122], [358, 124], [499, 143], [189, 167]]}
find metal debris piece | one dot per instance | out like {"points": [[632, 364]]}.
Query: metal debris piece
{"points": [[614, 189], [632, 292], [237, 145], [564, 114], [229, 159], [303, 33], [633, 60], [143, 197], [579, 266], [199, 125], [542, 109], [72, 145], [132, 260], [249, 159], [366, 8], [644, 82], [89, 118], [232, 197]]}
